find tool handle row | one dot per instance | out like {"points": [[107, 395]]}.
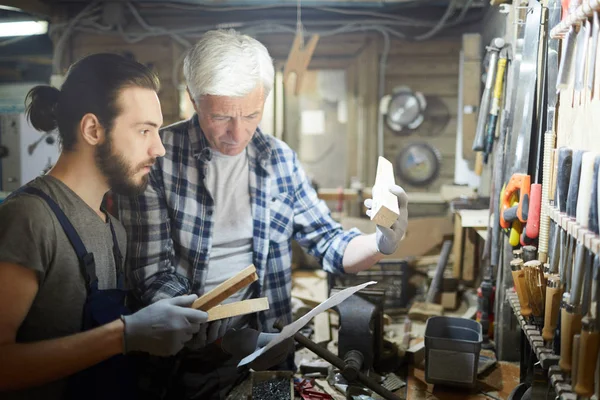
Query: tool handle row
{"points": [[589, 239], [584, 11]]}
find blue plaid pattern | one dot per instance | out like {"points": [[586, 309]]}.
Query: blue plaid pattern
{"points": [[170, 226]]}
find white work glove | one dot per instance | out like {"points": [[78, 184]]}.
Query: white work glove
{"points": [[162, 328], [387, 239]]}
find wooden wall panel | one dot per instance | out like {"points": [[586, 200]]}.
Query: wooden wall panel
{"points": [[430, 67], [159, 53]]}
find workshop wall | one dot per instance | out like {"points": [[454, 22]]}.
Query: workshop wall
{"points": [[432, 68], [159, 53]]}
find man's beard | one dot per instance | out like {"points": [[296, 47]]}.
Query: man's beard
{"points": [[116, 171]]}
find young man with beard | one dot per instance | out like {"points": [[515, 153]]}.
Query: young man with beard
{"points": [[226, 195], [64, 322]]}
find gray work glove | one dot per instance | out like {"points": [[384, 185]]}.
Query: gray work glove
{"points": [[242, 342], [162, 328], [208, 333], [387, 239]]}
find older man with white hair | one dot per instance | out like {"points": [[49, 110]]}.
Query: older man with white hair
{"points": [[226, 195]]}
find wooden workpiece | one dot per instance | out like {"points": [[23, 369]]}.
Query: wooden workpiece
{"points": [[226, 289], [238, 308], [385, 210]]}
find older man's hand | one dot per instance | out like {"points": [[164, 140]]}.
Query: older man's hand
{"points": [[387, 239]]}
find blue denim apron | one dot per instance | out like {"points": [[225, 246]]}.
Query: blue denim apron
{"points": [[115, 377]]}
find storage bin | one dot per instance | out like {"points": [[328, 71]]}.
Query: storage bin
{"points": [[452, 348]]}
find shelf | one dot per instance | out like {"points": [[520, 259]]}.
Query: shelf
{"points": [[590, 240], [548, 360]]}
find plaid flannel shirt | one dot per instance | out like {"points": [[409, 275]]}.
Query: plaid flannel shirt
{"points": [[170, 226]]}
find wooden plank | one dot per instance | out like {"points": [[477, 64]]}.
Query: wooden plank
{"points": [[226, 289], [436, 86], [433, 47], [470, 255], [238, 308], [474, 218], [385, 210], [427, 65]]}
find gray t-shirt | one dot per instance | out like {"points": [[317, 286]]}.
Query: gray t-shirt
{"points": [[31, 236], [227, 180]]}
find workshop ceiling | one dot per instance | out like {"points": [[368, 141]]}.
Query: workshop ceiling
{"points": [[186, 20]]}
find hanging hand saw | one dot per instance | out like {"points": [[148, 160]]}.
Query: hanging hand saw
{"points": [[523, 116]]}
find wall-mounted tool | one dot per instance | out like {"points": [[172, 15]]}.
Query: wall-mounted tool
{"points": [[568, 45], [484, 109], [518, 183], [590, 336], [418, 164], [518, 274], [553, 296], [554, 12], [495, 107], [536, 288], [571, 311], [404, 110], [580, 58], [593, 53]]}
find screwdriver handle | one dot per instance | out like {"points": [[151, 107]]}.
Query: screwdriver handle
{"points": [[563, 172], [554, 292], [588, 355], [520, 286], [575, 357], [534, 285], [574, 178], [535, 206], [593, 213], [570, 324], [585, 188]]}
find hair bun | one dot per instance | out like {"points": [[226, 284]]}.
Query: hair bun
{"points": [[41, 104]]}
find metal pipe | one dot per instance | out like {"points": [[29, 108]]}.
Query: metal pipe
{"points": [[339, 364]]}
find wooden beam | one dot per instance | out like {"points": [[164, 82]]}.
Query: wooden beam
{"points": [[226, 289], [238, 308]]}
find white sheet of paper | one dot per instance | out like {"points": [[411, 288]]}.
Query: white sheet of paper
{"points": [[291, 329]]}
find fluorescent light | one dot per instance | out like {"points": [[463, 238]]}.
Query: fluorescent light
{"points": [[23, 28]]}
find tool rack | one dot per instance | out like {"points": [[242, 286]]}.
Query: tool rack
{"points": [[534, 342]]}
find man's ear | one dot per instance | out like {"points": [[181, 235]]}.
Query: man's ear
{"points": [[191, 98], [91, 130]]}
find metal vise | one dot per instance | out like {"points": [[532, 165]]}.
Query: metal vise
{"points": [[360, 340]]}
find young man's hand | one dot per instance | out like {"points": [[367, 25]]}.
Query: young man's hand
{"points": [[163, 328], [387, 239]]}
